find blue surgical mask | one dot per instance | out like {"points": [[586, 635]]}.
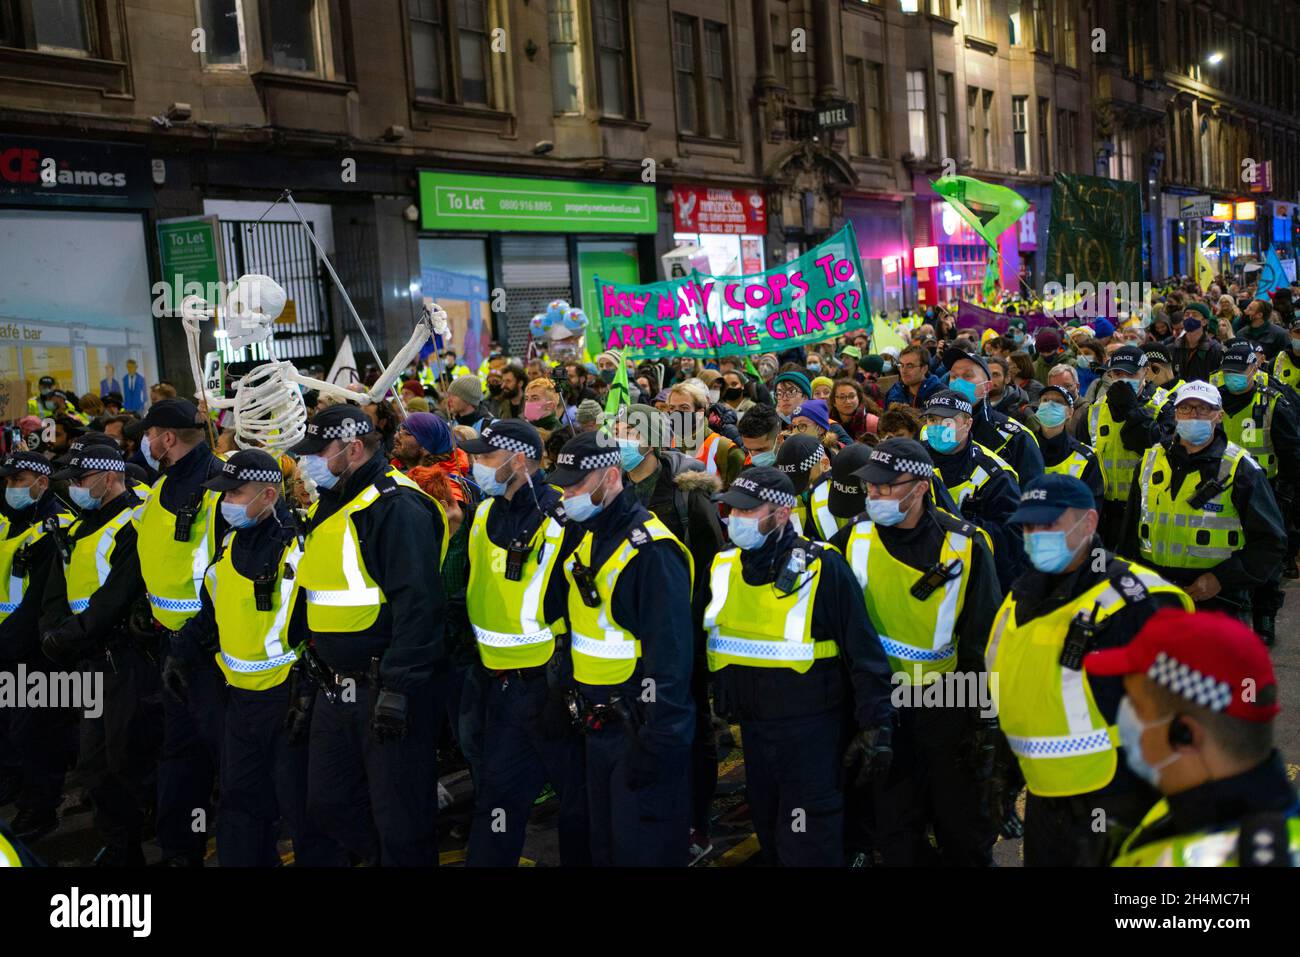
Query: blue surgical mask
{"points": [[966, 389], [317, 468], [763, 458], [1130, 729], [19, 498], [814, 367], [237, 516], [580, 508], [485, 477], [82, 498], [630, 453], [147, 452], [941, 438], [744, 534], [1049, 552], [1195, 431], [1052, 414], [885, 511], [1236, 381], [886, 367], [1083, 362]]}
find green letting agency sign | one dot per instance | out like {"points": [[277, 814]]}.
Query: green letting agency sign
{"points": [[517, 204]]}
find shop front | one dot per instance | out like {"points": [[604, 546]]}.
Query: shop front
{"points": [[75, 299], [495, 250], [728, 224], [882, 248]]}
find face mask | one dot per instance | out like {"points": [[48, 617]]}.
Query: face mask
{"points": [[485, 477], [494, 389], [886, 367], [1236, 381], [1083, 362], [1130, 729], [1048, 551], [237, 516], [714, 395], [630, 453], [82, 498], [763, 458], [814, 367], [607, 374], [1052, 414], [744, 532], [941, 438], [1017, 337], [19, 498], [734, 393], [887, 511], [581, 508], [1195, 431], [966, 389], [147, 451], [318, 470], [534, 410]]}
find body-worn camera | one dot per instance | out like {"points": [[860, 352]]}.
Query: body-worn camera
{"points": [[586, 581], [1078, 639]]}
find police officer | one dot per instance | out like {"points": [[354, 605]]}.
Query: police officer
{"points": [[1121, 426], [1162, 375], [45, 738], [375, 607], [786, 625], [630, 637], [983, 486], [247, 624], [1058, 724], [89, 597], [968, 376], [1190, 727], [516, 602], [1286, 364], [1063, 454], [1201, 512], [804, 461], [1260, 416], [178, 528], [931, 589]]}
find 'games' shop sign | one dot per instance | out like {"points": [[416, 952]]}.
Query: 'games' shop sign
{"points": [[44, 172]]}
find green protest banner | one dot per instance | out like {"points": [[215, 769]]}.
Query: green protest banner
{"points": [[816, 296], [1095, 233]]}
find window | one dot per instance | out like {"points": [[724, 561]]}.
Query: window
{"points": [[563, 36], [1044, 120], [1066, 131], [450, 55], [1067, 47], [59, 26], [973, 16], [979, 127], [865, 138], [1121, 161], [1015, 25], [990, 131], [1043, 26], [717, 79], [684, 70], [1020, 130], [780, 54], [702, 77], [916, 133], [223, 28], [303, 36], [1133, 39], [944, 101], [613, 67]]}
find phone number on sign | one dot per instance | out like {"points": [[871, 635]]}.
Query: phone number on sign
{"points": [[530, 205]]}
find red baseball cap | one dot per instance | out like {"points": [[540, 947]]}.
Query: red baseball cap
{"points": [[1209, 658]]}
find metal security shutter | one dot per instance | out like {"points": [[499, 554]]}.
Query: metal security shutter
{"points": [[534, 271]]}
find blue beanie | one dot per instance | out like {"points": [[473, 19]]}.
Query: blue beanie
{"points": [[815, 411], [430, 431], [1103, 329]]}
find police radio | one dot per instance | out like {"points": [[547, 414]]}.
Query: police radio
{"points": [[21, 565], [185, 520], [1078, 639], [263, 589], [788, 580], [55, 531], [937, 575], [586, 581], [517, 553], [1205, 491]]}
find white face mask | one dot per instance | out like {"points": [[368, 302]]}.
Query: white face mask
{"points": [[1130, 729]]}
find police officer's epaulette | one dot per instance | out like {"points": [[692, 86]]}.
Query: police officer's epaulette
{"points": [[955, 523], [386, 485], [1011, 425], [813, 549], [639, 536], [1120, 573], [1264, 840]]}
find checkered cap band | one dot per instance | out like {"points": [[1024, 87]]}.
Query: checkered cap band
{"points": [[99, 465], [773, 495], [499, 441], [899, 464], [806, 465], [249, 474], [1186, 682], [40, 467], [351, 428], [1158, 355], [589, 463]]}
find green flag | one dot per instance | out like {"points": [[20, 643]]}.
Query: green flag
{"points": [[619, 393], [752, 369], [987, 207]]}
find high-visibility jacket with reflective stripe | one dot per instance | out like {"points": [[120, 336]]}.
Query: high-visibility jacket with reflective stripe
{"points": [[758, 626], [604, 651], [9, 854], [1073, 464], [986, 464], [15, 586], [1200, 849], [824, 525], [341, 595], [92, 559], [1117, 462], [1286, 368], [1173, 533], [1047, 712], [254, 654], [917, 635], [1252, 428], [508, 617], [173, 571]]}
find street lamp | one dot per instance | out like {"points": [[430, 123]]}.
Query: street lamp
{"points": [[1215, 58]]}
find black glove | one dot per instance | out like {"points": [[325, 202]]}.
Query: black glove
{"points": [[176, 678], [388, 722], [302, 693], [1121, 399], [640, 767], [58, 646], [872, 751]]}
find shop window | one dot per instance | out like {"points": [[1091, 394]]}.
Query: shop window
{"points": [[454, 273], [613, 65], [303, 36], [222, 22], [566, 96], [451, 58]]}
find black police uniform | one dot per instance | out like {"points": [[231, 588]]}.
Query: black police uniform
{"points": [[1009, 440], [1059, 447], [1139, 430]]}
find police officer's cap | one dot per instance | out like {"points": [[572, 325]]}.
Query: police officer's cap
{"points": [[1046, 497], [336, 422], [1159, 352], [948, 403], [1061, 391], [93, 458], [952, 355], [248, 465], [583, 454], [166, 414], [1127, 359], [16, 462], [757, 485], [46, 380], [1237, 356], [1198, 389], [85, 440], [848, 496], [510, 435], [797, 457], [895, 459]]}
